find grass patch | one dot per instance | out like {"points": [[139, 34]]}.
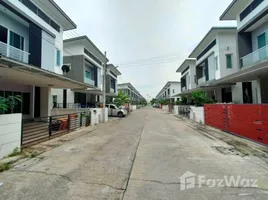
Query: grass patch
{"points": [[15, 152], [5, 166]]}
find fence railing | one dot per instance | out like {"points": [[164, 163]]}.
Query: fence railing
{"points": [[14, 53], [255, 57], [201, 80], [68, 105], [184, 110], [112, 90], [89, 81], [41, 129]]}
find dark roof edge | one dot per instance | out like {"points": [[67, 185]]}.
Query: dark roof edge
{"points": [[81, 38], [212, 29], [63, 13]]}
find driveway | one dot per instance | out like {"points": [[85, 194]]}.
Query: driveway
{"points": [[140, 157]]}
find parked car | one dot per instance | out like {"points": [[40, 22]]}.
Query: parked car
{"points": [[156, 105], [114, 111]]}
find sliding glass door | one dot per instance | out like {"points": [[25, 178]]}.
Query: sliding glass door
{"points": [[16, 40]]}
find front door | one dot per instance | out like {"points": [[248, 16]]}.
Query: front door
{"points": [[226, 95], [247, 92]]}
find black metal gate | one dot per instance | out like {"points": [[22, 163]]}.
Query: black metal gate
{"points": [[37, 130]]}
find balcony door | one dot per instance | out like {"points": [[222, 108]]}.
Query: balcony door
{"points": [[3, 40], [261, 44], [16, 40], [3, 34]]}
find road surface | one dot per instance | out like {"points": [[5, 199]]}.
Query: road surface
{"points": [[143, 157]]}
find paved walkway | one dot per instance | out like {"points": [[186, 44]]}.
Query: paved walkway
{"points": [[140, 157]]}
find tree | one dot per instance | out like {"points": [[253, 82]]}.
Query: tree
{"points": [[153, 101], [200, 98], [121, 99], [9, 102]]}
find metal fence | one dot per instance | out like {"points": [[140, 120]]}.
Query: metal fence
{"points": [[246, 120], [41, 129], [184, 110]]}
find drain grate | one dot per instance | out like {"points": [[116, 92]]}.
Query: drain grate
{"points": [[229, 151]]}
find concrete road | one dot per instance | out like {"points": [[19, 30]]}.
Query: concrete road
{"points": [[140, 157]]}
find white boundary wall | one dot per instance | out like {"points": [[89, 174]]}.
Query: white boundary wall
{"points": [[10, 133], [197, 114]]}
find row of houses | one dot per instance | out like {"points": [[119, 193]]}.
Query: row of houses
{"points": [[59, 81], [46, 70], [230, 63]]}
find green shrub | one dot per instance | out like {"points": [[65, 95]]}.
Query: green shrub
{"points": [[200, 98]]}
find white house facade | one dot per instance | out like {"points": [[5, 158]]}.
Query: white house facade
{"points": [[214, 57], [252, 40], [169, 90], [31, 54]]}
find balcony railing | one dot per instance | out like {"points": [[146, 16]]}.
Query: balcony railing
{"points": [[201, 80], [89, 81], [14, 53], [255, 57], [112, 90]]}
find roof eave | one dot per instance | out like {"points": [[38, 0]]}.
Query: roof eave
{"points": [[195, 53], [230, 12], [71, 22]]}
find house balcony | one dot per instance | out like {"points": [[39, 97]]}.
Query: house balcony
{"points": [[14, 53], [201, 80], [255, 57], [112, 90], [89, 81]]}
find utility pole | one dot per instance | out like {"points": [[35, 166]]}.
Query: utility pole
{"points": [[104, 85]]}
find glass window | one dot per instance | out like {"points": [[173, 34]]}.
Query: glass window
{"points": [[54, 25], [16, 40], [88, 74], [18, 107], [229, 61], [216, 63], [261, 40], [173, 91], [43, 16], [58, 57], [3, 35], [29, 5], [26, 98], [112, 107]]}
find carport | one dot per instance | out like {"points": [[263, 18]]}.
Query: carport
{"points": [[40, 81]]}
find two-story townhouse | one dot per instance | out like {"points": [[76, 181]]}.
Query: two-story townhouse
{"points": [[187, 70], [31, 54], [170, 89], [86, 65], [252, 40], [132, 92], [214, 57]]}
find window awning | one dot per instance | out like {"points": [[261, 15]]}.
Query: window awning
{"points": [[25, 74], [94, 91]]}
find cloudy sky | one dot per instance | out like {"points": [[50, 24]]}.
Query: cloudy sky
{"points": [[148, 39]]}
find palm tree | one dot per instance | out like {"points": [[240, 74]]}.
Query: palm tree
{"points": [[121, 99]]}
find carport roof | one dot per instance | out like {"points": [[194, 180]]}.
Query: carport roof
{"points": [[25, 74]]}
